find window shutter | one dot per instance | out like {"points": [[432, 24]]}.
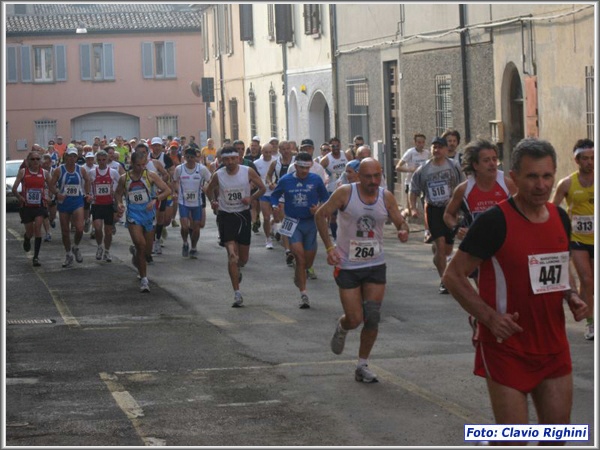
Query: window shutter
{"points": [[26, 64], [307, 19], [108, 60], [60, 52], [246, 30], [147, 60], [85, 61], [11, 65], [170, 71], [283, 24]]}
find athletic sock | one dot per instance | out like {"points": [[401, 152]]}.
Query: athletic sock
{"points": [[361, 362]]}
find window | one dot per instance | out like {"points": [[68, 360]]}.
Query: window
{"points": [[589, 100], [44, 131], [358, 108], [225, 32], [443, 104], [12, 75], [252, 100], [205, 46], [167, 126], [273, 111], [158, 60], [312, 19], [271, 21], [97, 62], [246, 29], [40, 64], [233, 119], [20, 9]]}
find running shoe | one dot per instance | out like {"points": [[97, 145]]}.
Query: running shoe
{"points": [[185, 250], [144, 285], [174, 223], [106, 257], [86, 226], [193, 253], [26, 243], [238, 300], [304, 303], [589, 331], [53, 224], [78, 255], [269, 244], [132, 249], [310, 273], [256, 226], [99, 253], [93, 233], [364, 375], [156, 248], [339, 339], [48, 237], [68, 260], [289, 259], [164, 233], [149, 259], [442, 289], [36, 262]]}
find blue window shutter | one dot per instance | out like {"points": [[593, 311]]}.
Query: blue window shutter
{"points": [[60, 52], [170, 71], [109, 66], [12, 75], [85, 61], [26, 64], [147, 60]]}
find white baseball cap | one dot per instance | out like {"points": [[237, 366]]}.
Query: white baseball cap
{"points": [[156, 140]]}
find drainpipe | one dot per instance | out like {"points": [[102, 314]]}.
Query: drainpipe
{"points": [[334, 68], [222, 109], [285, 88], [462, 9]]}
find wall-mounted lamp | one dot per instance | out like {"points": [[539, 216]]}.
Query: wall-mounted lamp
{"points": [[303, 88], [81, 29]]}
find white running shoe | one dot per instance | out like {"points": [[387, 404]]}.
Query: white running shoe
{"points": [[107, 256], [269, 244], [339, 339], [144, 285], [77, 253], [68, 260], [238, 300], [304, 302], [157, 250], [364, 375], [589, 331], [99, 253]]}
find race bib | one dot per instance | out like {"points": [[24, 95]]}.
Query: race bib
{"points": [[72, 190], [102, 190], [288, 226], [233, 197], [583, 224], [364, 250], [191, 197], [138, 197], [34, 196], [439, 191], [549, 272]]}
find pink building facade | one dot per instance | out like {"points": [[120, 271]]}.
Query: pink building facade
{"points": [[133, 83]]}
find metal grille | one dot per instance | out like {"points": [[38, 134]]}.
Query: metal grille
{"points": [[271, 22], [273, 111], [358, 108], [44, 131], [443, 104], [167, 126], [589, 100], [252, 99], [312, 19]]}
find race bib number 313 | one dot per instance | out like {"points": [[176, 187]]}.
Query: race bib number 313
{"points": [[549, 272]]}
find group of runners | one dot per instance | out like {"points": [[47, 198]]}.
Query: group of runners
{"points": [[507, 224]]}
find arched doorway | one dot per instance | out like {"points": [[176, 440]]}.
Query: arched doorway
{"points": [[512, 111], [293, 131], [319, 127]]}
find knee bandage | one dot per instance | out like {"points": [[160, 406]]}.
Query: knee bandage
{"points": [[371, 314]]}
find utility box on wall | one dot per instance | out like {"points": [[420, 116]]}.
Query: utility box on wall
{"points": [[22, 144]]}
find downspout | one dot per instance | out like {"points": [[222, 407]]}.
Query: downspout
{"points": [[285, 89], [222, 87], [462, 9], [334, 68]]}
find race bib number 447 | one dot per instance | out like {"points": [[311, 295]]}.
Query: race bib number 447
{"points": [[549, 272]]}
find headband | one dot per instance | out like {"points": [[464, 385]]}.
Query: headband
{"points": [[303, 163], [228, 152], [581, 150]]}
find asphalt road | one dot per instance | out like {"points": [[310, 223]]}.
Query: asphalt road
{"points": [[91, 361]]}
